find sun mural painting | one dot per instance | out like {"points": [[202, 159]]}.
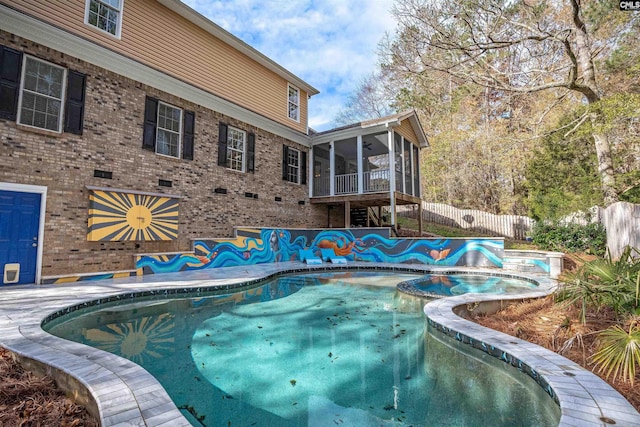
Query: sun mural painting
{"points": [[117, 216], [139, 340]]}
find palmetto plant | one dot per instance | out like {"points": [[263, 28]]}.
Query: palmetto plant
{"points": [[616, 284], [605, 283], [619, 352]]}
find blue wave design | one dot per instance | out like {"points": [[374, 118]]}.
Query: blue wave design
{"points": [[277, 245], [176, 263]]}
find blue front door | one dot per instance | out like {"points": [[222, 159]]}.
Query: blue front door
{"points": [[19, 223]]}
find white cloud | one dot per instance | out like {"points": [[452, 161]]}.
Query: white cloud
{"points": [[331, 44]]}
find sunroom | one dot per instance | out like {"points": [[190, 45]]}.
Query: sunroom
{"points": [[368, 168]]}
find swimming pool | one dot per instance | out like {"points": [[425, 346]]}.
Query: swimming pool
{"points": [[447, 285], [315, 349]]}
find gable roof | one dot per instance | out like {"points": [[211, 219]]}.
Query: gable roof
{"points": [[393, 120]]}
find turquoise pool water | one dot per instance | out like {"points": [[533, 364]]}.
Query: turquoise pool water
{"points": [[446, 285], [323, 349]]}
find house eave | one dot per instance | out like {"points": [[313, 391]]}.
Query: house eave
{"points": [[373, 126], [345, 133]]}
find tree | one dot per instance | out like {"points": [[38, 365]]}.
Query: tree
{"points": [[475, 160], [573, 186], [370, 100], [515, 47]]}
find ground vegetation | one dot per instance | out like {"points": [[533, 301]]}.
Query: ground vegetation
{"points": [[29, 400], [593, 319]]}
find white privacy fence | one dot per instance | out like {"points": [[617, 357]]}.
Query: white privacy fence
{"points": [[621, 220], [511, 226]]}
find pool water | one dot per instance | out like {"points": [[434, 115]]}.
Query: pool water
{"points": [[323, 349], [446, 285]]}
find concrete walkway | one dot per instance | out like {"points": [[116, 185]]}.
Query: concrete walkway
{"points": [[121, 393]]}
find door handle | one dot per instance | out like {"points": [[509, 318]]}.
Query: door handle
{"points": [[35, 245]]}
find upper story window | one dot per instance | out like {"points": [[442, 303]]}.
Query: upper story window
{"points": [[236, 149], [105, 15], [41, 93], [169, 130], [294, 103]]}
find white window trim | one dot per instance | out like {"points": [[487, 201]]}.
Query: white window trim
{"points": [[179, 153], [289, 87], [95, 27], [244, 149], [63, 94], [299, 167]]}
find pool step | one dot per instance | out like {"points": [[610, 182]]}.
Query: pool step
{"points": [[533, 262], [518, 264]]}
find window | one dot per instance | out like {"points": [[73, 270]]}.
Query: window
{"points": [[168, 130], [41, 94], [294, 103], [294, 165], [105, 15], [31, 93], [235, 149]]}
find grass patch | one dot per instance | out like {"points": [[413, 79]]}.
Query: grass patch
{"points": [[445, 231]]}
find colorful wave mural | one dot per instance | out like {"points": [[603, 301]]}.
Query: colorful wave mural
{"points": [[257, 246]]}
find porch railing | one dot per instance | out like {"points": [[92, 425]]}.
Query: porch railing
{"points": [[321, 186], [377, 180], [347, 183], [374, 181]]}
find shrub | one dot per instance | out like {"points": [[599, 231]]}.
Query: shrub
{"points": [[554, 236], [606, 282]]}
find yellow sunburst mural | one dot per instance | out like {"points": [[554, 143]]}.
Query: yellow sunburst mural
{"points": [[139, 340], [119, 216]]}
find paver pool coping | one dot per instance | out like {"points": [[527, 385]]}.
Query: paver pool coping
{"points": [[125, 394]]}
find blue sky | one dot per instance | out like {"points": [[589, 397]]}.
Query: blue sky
{"points": [[330, 44]]}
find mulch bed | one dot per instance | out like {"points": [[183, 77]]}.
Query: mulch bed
{"points": [[554, 326], [28, 400]]}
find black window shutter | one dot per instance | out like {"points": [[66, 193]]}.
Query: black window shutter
{"points": [[303, 167], [222, 144], [10, 67], [285, 161], [150, 121], [251, 149], [74, 114], [187, 137]]}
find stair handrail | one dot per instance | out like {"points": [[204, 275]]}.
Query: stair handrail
{"points": [[372, 215]]}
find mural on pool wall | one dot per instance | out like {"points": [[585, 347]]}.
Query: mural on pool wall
{"points": [[257, 246]]}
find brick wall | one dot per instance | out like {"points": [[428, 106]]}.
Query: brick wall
{"points": [[112, 141]]}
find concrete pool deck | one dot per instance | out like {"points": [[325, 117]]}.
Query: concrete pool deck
{"points": [[123, 394]]}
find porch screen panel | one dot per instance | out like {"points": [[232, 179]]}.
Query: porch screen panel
{"points": [[416, 171], [321, 172], [397, 149], [407, 167]]}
